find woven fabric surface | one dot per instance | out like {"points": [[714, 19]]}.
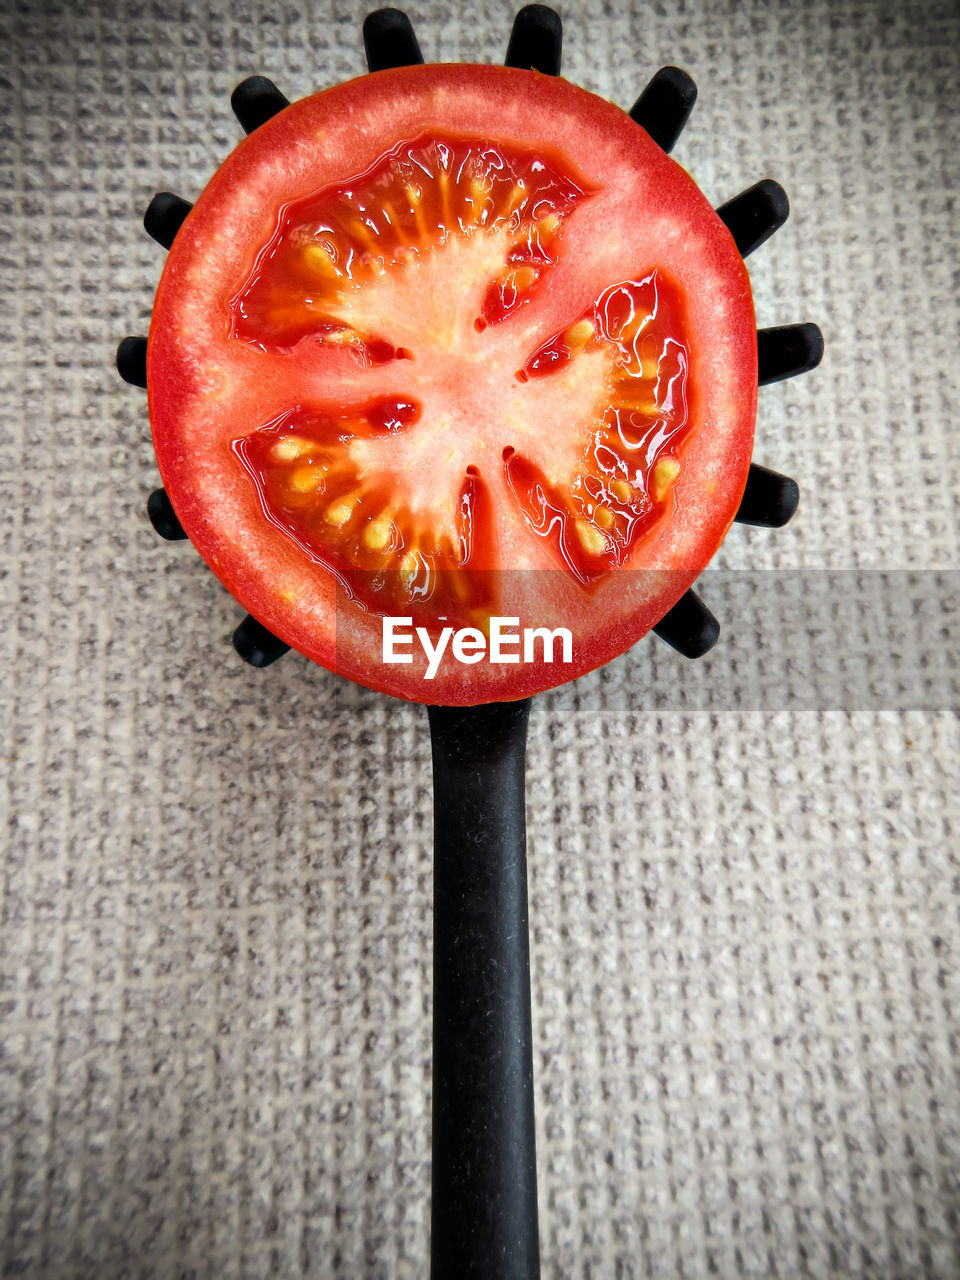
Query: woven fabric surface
{"points": [[215, 905]]}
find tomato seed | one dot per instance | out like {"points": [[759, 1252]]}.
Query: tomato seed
{"points": [[307, 479], [665, 472], [338, 513]]}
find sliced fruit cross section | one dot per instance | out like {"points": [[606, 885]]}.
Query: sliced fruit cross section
{"points": [[369, 272]]}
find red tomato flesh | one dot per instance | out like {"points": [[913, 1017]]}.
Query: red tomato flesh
{"points": [[450, 343]]}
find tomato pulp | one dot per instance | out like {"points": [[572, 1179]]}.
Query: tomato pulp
{"points": [[451, 343]]}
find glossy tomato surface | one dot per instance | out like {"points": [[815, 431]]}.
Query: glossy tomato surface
{"points": [[449, 343]]}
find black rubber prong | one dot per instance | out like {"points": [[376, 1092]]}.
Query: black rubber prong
{"points": [[664, 107], [689, 627], [132, 361], [256, 645], [536, 41], [389, 40], [755, 214], [163, 517], [165, 216], [786, 351], [770, 500], [255, 101]]}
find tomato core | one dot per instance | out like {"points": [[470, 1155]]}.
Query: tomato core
{"points": [[339, 502]]}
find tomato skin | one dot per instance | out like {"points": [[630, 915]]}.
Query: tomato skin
{"points": [[202, 383]]}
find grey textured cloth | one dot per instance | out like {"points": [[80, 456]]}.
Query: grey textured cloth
{"points": [[216, 893]]}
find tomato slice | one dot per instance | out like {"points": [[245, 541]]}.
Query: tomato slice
{"points": [[450, 343]]}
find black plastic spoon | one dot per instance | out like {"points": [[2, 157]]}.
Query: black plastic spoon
{"points": [[484, 1207]]}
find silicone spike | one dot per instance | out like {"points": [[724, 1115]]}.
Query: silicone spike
{"points": [[689, 627], [255, 101], [390, 41], [755, 214], [769, 500], [165, 216], [664, 107], [536, 41], [256, 645]]}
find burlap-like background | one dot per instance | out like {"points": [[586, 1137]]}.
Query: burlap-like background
{"points": [[215, 912]]}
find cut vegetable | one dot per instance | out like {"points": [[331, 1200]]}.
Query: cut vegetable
{"points": [[450, 343]]}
